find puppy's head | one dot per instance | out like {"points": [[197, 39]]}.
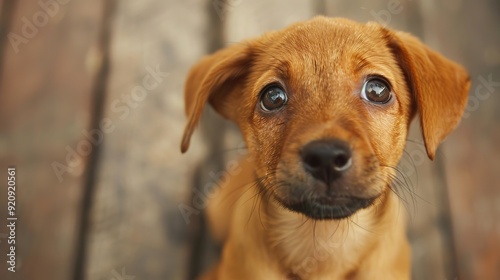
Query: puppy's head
{"points": [[324, 107]]}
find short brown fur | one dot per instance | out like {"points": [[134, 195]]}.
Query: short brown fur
{"points": [[321, 64]]}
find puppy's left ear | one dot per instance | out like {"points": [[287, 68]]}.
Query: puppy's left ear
{"points": [[439, 87], [216, 79]]}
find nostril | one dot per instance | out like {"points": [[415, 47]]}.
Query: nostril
{"points": [[313, 161], [341, 162]]}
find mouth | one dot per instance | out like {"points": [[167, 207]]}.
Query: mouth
{"points": [[328, 208]]}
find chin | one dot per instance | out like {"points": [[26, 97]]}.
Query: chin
{"points": [[329, 208]]}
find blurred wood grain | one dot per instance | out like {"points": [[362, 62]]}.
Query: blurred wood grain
{"points": [[136, 228], [45, 92], [472, 153]]}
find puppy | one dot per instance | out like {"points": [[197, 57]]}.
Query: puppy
{"points": [[324, 107]]}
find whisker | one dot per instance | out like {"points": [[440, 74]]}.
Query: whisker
{"points": [[352, 221]]}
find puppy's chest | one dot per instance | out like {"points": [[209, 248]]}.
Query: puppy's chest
{"points": [[309, 249]]}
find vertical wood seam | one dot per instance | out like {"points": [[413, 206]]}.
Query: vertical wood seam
{"points": [[92, 165], [7, 12]]}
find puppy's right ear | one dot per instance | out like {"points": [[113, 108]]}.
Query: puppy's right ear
{"points": [[215, 79]]}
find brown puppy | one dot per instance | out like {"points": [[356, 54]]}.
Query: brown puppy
{"points": [[324, 107]]}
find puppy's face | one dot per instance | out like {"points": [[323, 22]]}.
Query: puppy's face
{"points": [[324, 107], [326, 115]]}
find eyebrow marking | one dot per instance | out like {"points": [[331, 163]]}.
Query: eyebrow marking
{"points": [[361, 63]]}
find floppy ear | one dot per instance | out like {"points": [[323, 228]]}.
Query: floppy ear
{"points": [[439, 87], [215, 79]]}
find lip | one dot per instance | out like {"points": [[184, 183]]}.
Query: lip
{"points": [[330, 208]]}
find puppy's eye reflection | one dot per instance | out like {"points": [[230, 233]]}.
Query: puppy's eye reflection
{"points": [[376, 90], [272, 98]]}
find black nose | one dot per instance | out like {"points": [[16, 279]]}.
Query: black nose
{"points": [[326, 160]]}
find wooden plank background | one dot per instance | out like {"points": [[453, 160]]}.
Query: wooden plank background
{"points": [[94, 89]]}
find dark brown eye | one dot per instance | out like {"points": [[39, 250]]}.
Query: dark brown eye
{"points": [[272, 98], [376, 90]]}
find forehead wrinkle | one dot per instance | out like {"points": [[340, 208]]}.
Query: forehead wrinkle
{"points": [[269, 58], [330, 45]]}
